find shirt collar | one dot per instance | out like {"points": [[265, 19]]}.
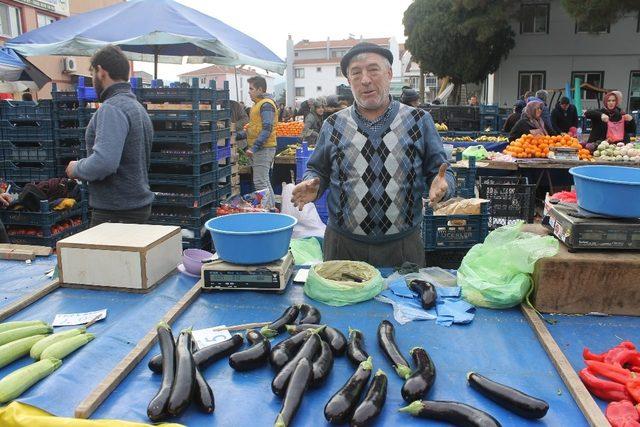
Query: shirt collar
{"points": [[378, 119]]}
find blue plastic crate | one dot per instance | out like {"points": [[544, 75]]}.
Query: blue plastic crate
{"points": [[184, 115], [22, 172], [191, 136], [454, 231], [191, 158], [71, 150], [31, 130], [302, 157], [466, 179], [489, 109], [223, 192], [223, 173], [47, 217], [86, 93], [223, 153], [70, 133], [25, 110], [27, 151], [183, 180], [67, 97], [487, 121], [183, 217], [179, 94], [186, 197], [49, 240]]}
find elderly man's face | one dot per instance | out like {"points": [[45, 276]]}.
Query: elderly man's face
{"points": [[369, 75]]}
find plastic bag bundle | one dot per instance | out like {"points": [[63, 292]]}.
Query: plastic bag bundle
{"points": [[497, 273], [477, 151], [341, 283], [306, 251]]}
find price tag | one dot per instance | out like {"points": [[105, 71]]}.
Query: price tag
{"points": [[71, 319], [207, 337]]}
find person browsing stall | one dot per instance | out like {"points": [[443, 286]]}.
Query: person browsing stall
{"points": [[530, 123], [542, 96], [410, 97], [261, 135], [118, 139], [313, 123], [515, 116], [610, 123], [375, 158], [564, 116]]}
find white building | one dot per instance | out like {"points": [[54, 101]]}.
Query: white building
{"points": [[313, 67], [411, 75], [237, 78], [552, 49]]}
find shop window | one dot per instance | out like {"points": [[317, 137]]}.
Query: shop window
{"points": [[594, 78], [10, 22], [530, 81], [318, 69], [44, 20], [300, 92], [299, 73]]}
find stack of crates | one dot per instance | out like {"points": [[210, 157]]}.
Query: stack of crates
{"points": [[191, 156], [302, 158], [512, 199], [235, 167], [26, 141], [489, 118]]}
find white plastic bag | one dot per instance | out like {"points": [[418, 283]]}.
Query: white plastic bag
{"points": [[309, 222]]}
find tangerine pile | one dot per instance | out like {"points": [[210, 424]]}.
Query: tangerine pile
{"points": [[538, 146], [289, 128]]}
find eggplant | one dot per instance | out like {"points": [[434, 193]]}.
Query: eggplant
{"points": [[455, 413], [156, 410], [202, 394], [298, 384], [332, 336], [509, 398], [322, 365], [180, 396], [426, 291], [422, 379], [253, 357], [339, 409], [355, 348], [279, 325], [307, 351], [373, 401], [390, 348], [205, 356], [282, 352], [309, 314]]}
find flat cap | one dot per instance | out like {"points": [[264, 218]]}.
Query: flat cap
{"points": [[363, 47]]}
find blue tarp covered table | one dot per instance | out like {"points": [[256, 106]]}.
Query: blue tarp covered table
{"points": [[490, 146], [19, 279]]}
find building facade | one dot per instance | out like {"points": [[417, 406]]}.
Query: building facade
{"points": [[313, 67], [237, 78], [551, 50]]}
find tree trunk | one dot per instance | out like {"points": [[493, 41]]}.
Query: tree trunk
{"points": [[421, 84]]}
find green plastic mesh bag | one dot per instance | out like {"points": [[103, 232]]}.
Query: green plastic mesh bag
{"points": [[333, 282], [497, 273]]}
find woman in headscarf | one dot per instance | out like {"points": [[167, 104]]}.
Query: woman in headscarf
{"points": [[515, 116], [313, 122], [530, 123], [610, 122]]}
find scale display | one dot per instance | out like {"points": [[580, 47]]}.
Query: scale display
{"points": [[269, 277]]}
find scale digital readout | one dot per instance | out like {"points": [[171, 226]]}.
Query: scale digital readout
{"points": [[221, 275]]}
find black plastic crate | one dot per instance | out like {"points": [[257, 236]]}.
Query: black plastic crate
{"points": [[454, 231], [512, 199], [47, 217], [184, 217], [22, 172], [191, 180], [44, 240], [448, 258], [177, 156], [30, 130], [72, 133], [466, 125], [224, 191], [184, 115], [181, 94], [489, 109], [25, 110], [75, 150], [466, 179], [64, 96], [27, 151], [183, 196]]}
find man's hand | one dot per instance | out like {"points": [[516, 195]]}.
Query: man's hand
{"points": [[249, 154], [5, 199], [305, 192], [604, 118], [439, 186], [71, 168], [627, 117]]}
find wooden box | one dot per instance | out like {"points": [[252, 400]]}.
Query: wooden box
{"points": [[128, 257]]}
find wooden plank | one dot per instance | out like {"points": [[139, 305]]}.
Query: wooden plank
{"points": [[38, 250], [580, 394], [29, 299], [126, 365], [17, 254]]}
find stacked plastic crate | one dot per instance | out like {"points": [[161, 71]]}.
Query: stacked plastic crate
{"points": [[26, 141], [190, 160], [489, 118]]}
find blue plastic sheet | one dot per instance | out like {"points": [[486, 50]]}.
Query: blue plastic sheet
{"points": [[19, 279], [599, 334], [490, 146], [129, 317], [499, 344]]}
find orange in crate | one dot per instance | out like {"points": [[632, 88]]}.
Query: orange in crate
{"points": [[537, 146], [289, 128]]}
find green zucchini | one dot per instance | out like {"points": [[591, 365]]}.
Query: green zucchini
{"points": [[20, 380], [27, 331], [19, 324], [39, 347], [62, 349], [14, 350]]}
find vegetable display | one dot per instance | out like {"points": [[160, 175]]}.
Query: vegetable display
{"points": [[339, 409], [426, 291], [38, 348], [332, 336], [156, 410], [184, 377], [422, 379], [14, 350], [455, 413], [6, 326], [620, 152], [372, 404], [205, 356], [299, 382], [279, 325], [282, 352], [253, 357], [309, 314], [307, 351], [23, 332], [355, 347], [20, 380], [386, 339], [322, 365], [62, 349]]}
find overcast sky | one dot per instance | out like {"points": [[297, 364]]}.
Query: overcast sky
{"points": [[271, 22]]}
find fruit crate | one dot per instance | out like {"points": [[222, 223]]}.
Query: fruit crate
{"points": [[46, 217], [27, 151], [44, 237], [26, 130], [22, 172], [223, 174], [454, 231], [184, 196], [183, 217], [465, 178], [173, 156], [512, 199], [25, 110], [487, 121]]}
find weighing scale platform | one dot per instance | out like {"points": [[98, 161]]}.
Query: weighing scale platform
{"points": [[274, 277]]}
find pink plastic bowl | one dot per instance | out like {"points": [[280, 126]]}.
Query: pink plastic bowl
{"points": [[192, 260]]}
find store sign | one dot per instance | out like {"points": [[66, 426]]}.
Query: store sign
{"points": [[60, 7]]}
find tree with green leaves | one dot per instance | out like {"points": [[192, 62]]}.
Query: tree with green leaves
{"points": [[464, 40], [600, 12]]}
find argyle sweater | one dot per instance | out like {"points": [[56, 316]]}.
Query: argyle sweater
{"points": [[376, 177]]}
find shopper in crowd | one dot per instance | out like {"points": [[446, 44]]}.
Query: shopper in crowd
{"points": [[288, 115], [410, 97], [4, 202], [238, 115], [332, 106], [542, 96], [313, 123], [531, 121], [305, 108], [528, 94], [375, 158], [473, 101], [281, 110], [610, 123], [118, 139], [515, 116], [564, 116], [261, 135]]}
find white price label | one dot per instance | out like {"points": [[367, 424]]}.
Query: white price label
{"points": [[209, 336], [72, 319]]}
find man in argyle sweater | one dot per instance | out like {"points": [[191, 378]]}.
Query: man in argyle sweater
{"points": [[376, 158]]}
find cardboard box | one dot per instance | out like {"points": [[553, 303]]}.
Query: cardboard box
{"points": [[130, 257]]}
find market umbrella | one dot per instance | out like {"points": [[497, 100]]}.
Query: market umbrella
{"points": [[149, 30], [18, 71]]}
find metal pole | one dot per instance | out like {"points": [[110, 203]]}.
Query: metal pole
{"points": [[235, 71], [155, 63]]}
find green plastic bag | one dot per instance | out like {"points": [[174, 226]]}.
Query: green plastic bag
{"points": [[477, 151], [497, 273], [327, 282], [306, 251]]}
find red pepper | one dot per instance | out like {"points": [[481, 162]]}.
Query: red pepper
{"points": [[622, 414], [615, 373], [603, 389], [633, 387], [587, 355]]}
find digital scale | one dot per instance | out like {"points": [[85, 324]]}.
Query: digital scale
{"points": [[220, 275]]}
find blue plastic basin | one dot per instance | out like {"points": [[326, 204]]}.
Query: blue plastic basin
{"points": [[251, 238], [608, 190]]}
